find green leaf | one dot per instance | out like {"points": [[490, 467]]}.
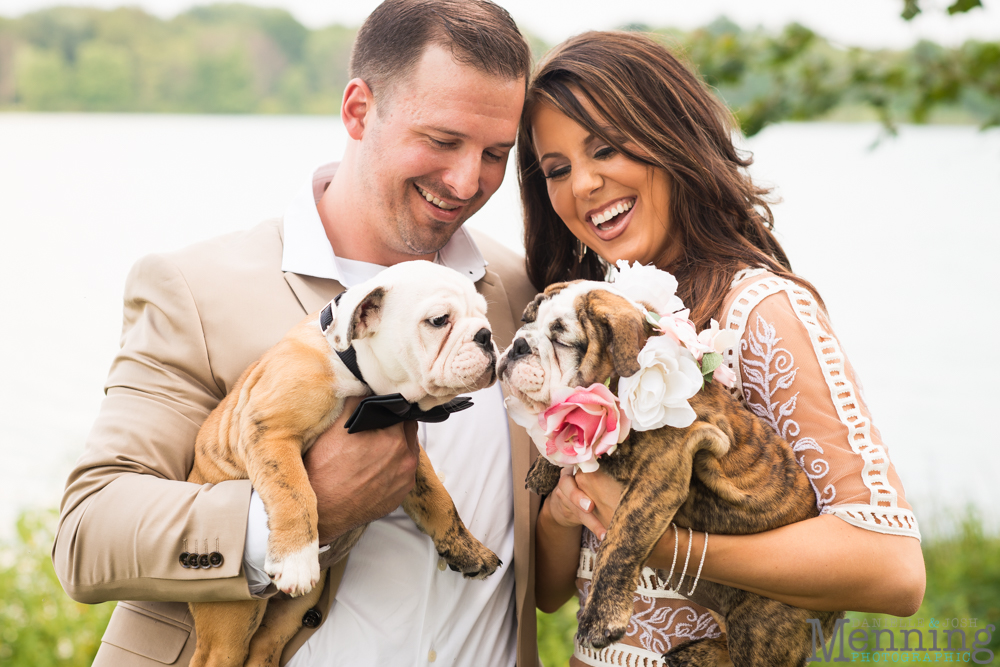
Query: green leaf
{"points": [[710, 362], [960, 6]]}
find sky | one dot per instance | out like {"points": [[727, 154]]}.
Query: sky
{"points": [[867, 23]]}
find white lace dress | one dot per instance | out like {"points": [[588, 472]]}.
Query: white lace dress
{"points": [[791, 372]]}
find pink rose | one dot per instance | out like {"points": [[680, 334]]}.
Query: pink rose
{"points": [[725, 376], [581, 425], [679, 328]]}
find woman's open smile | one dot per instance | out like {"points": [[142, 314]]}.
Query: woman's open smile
{"points": [[615, 205]]}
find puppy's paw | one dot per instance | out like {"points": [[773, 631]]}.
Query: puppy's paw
{"points": [[468, 556], [603, 623], [295, 573], [706, 652], [543, 476]]}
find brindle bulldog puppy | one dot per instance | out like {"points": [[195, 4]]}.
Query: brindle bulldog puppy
{"points": [[417, 329], [728, 473]]}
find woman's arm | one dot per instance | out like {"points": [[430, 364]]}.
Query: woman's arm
{"points": [[557, 543], [822, 563]]}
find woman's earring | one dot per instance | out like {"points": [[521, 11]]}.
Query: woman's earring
{"points": [[581, 251]]}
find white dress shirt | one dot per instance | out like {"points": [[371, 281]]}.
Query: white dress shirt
{"points": [[398, 602]]}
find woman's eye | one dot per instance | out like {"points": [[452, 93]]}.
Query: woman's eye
{"points": [[557, 172], [604, 152], [441, 144], [438, 321]]}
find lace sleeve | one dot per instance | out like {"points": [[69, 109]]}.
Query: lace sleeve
{"points": [[792, 372]]}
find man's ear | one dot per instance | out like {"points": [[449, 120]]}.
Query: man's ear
{"points": [[614, 328], [357, 316], [358, 102]]}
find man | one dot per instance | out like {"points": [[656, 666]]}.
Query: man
{"points": [[431, 111]]}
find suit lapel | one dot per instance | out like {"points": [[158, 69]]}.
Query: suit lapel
{"points": [[312, 293]]}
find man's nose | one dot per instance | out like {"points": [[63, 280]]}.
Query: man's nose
{"points": [[519, 349], [463, 176]]}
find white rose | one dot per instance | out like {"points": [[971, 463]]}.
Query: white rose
{"points": [[649, 285], [658, 394]]}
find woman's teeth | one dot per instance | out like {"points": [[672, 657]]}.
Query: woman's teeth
{"points": [[434, 200], [611, 212]]}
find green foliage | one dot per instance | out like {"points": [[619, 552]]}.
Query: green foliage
{"points": [[555, 634], [963, 582], [231, 58], [40, 626]]}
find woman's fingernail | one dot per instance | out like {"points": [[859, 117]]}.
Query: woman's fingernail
{"points": [[601, 536], [585, 504]]}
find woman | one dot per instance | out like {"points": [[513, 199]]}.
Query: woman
{"points": [[624, 154]]}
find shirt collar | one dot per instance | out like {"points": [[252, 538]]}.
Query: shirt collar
{"points": [[307, 250]]}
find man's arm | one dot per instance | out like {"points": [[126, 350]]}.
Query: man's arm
{"points": [[126, 514]]}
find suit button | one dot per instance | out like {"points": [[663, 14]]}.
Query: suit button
{"points": [[203, 562], [184, 559], [312, 618], [215, 559]]}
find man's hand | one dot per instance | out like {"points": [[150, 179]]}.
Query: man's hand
{"points": [[360, 477]]}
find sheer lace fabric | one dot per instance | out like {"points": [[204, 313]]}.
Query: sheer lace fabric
{"points": [[791, 372]]}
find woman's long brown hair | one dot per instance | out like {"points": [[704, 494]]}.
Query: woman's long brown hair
{"points": [[719, 219]]}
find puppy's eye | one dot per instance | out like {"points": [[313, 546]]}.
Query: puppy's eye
{"points": [[559, 343], [438, 322]]}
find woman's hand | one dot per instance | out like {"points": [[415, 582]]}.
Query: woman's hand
{"points": [[604, 493], [571, 506]]}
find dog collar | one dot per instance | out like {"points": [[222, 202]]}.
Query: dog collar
{"points": [[381, 411], [348, 356]]}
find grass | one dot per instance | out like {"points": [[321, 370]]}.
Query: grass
{"points": [[40, 626]]}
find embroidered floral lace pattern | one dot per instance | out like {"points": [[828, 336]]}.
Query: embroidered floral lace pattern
{"points": [[792, 373]]}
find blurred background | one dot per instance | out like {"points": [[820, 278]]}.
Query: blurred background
{"points": [[129, 130]]}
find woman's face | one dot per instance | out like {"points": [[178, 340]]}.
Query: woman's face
{"points": [[615, 205]]}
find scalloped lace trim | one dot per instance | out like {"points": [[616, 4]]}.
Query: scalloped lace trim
{"points": [[874, 474], [617, 654]]}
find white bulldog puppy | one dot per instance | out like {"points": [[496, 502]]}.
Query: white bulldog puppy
{"points": [[414, 337], [419, 329]]}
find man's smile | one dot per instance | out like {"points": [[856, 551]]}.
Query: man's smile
{"points": [[444, 206]]}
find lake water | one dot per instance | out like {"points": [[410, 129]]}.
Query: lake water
{"points": [[901, 240]]}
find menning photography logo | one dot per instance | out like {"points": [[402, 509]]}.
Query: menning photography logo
{"points": [[951, 640]]}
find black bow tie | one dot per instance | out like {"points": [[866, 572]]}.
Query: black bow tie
{"points": [[389, 409]]}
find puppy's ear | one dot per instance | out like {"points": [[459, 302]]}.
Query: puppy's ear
{"points": [[616, 332], [531, 310], [357, 316]]}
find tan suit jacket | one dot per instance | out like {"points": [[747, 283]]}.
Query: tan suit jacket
{"points": [[194, 320]]}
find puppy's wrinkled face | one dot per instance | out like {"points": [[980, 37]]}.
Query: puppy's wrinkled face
{"points": [[575, 334], [419, 329]]}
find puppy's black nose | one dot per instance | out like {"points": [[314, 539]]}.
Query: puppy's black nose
{"points": [[519, 349], [483, 338]]}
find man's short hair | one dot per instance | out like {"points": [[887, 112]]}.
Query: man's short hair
{"points": [[479, 33]]}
